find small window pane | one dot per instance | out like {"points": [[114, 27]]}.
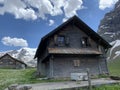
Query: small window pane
{"points": [[76, 63], [10, 62], [61, 40], [85, 42], [1, 62]]}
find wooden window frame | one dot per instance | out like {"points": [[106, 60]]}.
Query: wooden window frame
{"points": [[61, 40], [85, 42], [76, 63], [1, 62], [11, 62]]}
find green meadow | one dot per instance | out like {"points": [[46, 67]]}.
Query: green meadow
{"points": [[114, 69], [12, 76]]}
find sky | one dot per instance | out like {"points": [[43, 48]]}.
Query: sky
{"points": [[24, 22]]}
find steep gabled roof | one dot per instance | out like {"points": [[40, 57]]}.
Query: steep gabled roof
{"points": [[12, 58], [80, 24]]}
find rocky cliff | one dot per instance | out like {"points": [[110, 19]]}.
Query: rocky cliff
{"points": [[109, 29]]}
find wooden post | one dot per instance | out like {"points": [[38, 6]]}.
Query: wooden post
{"points": [[89, 79], [39, 67], [51, 66], [99, 66]]}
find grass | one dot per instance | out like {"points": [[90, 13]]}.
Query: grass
{"points": [[108, 87], [114, 67], [12, 76]]}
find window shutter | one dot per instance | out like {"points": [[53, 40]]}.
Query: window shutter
{"points": [[55, 40], [89, 42], [81, 42], [67, 40]]}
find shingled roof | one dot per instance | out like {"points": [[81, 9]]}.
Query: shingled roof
{"points": [[73, 51], [79, 23]]}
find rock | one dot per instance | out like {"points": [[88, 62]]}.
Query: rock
{"points": [[109, 29], [20, 87], [27, 87], [13, 87], [115, 77]]}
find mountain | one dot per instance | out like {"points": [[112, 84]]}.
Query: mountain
{"points": [[24, 54], [109, 29]]}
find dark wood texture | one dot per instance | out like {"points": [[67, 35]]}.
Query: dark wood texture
{"points": [[78, 42]]}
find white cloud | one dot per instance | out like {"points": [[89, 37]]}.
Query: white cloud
{"points": [[103, 4], [1, 1], [58, 4], [33, 9], [71, 6], [26, 14], [14, 41], [51, 22], [18, 9], [64, 19], [44, 7]]}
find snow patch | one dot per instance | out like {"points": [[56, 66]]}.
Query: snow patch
{"points": [[115, 44], [117, 54], [107, 33], [109, 18]]}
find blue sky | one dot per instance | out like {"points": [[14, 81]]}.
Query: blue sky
{"points": [[24, 22]]}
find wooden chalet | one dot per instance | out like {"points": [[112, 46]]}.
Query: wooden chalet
{"points": [[7, 61], [72, 47]]}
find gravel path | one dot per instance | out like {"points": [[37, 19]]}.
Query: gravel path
{"points": [[69, 84]]}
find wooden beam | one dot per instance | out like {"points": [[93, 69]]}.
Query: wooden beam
{"points": [[89, 79], [51, 66]]}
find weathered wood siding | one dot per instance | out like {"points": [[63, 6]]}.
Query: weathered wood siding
{"points": [[75, 35], [63, 66]]}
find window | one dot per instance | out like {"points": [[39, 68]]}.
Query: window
{"points": [[10, 62], [85, 42], [1, 62], [76, 63], [61, 40]]}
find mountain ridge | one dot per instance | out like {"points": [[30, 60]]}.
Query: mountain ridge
{"points": [[109, 29]]}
